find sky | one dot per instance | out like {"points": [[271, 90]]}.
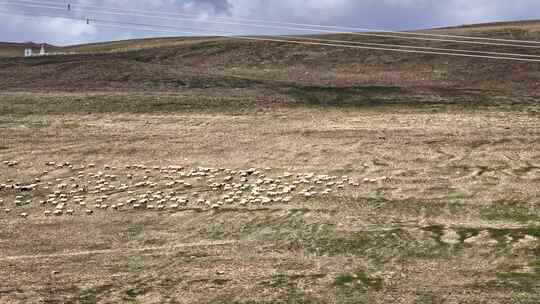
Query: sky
{"points": [[373, 14]]}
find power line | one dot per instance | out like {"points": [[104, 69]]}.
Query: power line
{"points": [[388, 49], [372, 44], [284, 40], [273, 27], [413, 47], [355, 42], [268, 26], [339, 28]]}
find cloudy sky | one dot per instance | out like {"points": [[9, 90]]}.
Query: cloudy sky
{"points": [[19, 21]]}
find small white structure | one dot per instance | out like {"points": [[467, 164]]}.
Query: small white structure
{"points": [[42, 51], [27, 52]]}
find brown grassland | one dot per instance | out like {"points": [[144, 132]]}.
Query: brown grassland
{"points": [[451, 146]]}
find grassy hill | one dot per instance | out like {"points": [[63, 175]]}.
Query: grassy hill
{"points": [[179, 62], [159, 170]]}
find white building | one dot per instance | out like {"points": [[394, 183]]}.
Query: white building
{"points": [[42, 51], [27, 52]]}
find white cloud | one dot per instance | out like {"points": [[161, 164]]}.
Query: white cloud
{"points": [[384, 14]]}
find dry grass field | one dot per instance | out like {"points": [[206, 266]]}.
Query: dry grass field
{"points": [[224, 171]]}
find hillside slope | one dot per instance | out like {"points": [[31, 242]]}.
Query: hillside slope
{"points": [[228, 171], [174, 63]]}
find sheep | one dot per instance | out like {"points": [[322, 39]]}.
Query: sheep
{"points": [[24, 215], [89, 212], [11, 163], [70, 212]]}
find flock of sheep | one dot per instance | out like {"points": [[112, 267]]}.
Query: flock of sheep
{"points": [[65, 189]]}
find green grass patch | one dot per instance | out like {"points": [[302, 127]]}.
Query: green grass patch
{"points": [[458, 195], [134, 292], [94, 294], [361, 95], [290, 281], [465, 233], [333, 242], [522, 212], [71, 125], [437, 232], [360, 280], [513, 234], [220, 282], [525, 274], [507, 32]]}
